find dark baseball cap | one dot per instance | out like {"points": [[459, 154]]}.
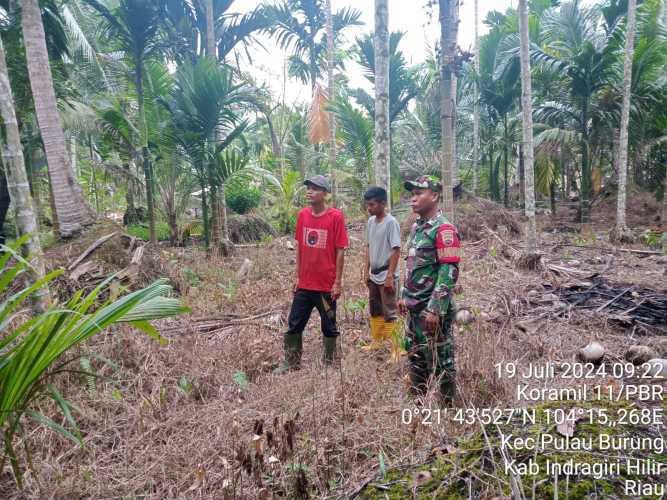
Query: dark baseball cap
{"points": [[318, 181], [424, 182]]}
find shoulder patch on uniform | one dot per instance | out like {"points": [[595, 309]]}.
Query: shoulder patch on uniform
{"points": [[447, 237], [448, 244]]}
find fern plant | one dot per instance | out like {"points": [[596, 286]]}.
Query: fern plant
{"points": [[31, 348]]}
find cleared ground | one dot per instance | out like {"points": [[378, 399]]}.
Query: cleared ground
{"points": [[204, 417]]}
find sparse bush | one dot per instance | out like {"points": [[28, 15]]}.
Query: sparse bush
{"points": [[142, 231], [241, 198]]}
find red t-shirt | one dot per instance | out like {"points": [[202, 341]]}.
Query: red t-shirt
{"points": [[318, 238]]}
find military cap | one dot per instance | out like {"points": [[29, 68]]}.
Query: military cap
{"points": [[424, 182], [318, 181]]}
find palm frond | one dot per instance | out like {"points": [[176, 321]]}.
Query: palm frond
{"points": [[318, 117]]}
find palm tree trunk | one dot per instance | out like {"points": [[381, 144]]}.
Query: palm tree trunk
{"points": [[130, 209], [4, 203], [93, 177], [449, 10], [506, 198], [332, 95], [664, 202], [475, 112], [145, 155], [173, 226], [34, 187], [204, 211], [455, 158], [492, 181], [586, 184], [563, 180], [71, 207], [381, 148], [527, 121], [219, 224], [621, 230], [210, 30], [275, 145], [615, 146], [73, 156], [522, 184], [17, 185], [216, 227]]}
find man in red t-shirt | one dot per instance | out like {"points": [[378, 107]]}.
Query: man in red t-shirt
{"points": [[321, 242]]}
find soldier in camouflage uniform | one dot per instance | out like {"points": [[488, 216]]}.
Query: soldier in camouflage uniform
{"points": [[432, 267]]}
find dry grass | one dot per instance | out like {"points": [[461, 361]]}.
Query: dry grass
{"points": [[178, 421]]}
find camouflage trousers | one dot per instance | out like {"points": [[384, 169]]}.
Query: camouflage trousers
{"points": [[431, 355]]}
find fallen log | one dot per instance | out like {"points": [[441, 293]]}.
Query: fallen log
{"points": [[135, 264], [213, 324], [608, 249], [99, 242], [81, 270]]}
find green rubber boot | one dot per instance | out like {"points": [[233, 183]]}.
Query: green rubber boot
{"points": [[293, 345], [331, 350]]}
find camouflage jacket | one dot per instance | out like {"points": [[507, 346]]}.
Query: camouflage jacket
{"points": [[432, 265]]}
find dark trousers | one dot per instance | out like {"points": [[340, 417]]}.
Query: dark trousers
{"points": [[302, 306], [381, 302]]}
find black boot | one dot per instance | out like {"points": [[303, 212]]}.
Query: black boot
{"points": [[293, 345], [331, 350]]}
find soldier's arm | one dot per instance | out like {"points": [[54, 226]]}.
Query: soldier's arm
{"points": [[448, 247], [444, 284]]}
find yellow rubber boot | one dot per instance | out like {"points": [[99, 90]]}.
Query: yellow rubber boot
{"points": [[387, 329], [393, 337], [377, 327]]}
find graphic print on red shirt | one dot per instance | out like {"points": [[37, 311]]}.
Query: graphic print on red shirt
{"points": [[318, 238]]}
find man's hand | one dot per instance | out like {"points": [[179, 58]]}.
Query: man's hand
{"points": [[402, 307], [295, 286], [431, 322], [336, 291], [389, 283]]}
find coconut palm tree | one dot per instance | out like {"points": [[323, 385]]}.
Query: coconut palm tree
{"points": [[16, 180], [475, 150], [527, 127], [381, 143], [332, 92], [191, 35], [621, 232], [299, 25], [4, 204], [449, 23], [71, 207]]}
